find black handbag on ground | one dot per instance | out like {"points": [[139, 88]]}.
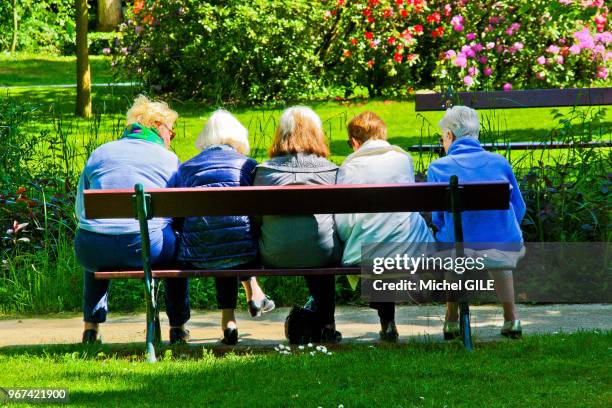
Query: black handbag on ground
{"points": [[302, 326]]}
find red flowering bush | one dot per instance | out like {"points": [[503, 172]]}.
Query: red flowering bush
{"points": [[379, 44], [402, 44], [256, 50]]}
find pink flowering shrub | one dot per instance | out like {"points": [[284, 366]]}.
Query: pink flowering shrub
{"points": [[471, 45], [275, 50]]}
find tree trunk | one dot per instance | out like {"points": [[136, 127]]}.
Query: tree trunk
{"points": [[109, 14], [83, 102], [15, 27]]}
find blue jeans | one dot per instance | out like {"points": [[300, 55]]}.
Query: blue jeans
{"points": [[98, 252]]}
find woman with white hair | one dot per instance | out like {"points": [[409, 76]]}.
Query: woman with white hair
{"points": [[466, 159], [299, 156], [141, 155], [222, 242]]}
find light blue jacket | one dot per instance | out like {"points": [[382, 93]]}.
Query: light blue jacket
{"points": [[378, 162], [470, 162], [121, 164]]}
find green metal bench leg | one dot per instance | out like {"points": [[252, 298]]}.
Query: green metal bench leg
{"points": [[157, 336], [464, 307], [464, 325], [142, 202]]}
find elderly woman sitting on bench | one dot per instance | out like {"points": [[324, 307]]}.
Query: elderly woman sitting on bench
{"points": [[140, 155], [375, 161], [298, 156], [466, 159], [223, 242]]}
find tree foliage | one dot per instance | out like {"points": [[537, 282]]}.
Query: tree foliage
{"points": [[44, 25]]}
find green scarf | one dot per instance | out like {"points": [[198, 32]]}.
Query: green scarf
{"points": [[137, 131]]}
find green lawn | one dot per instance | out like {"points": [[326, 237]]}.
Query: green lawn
{"points": [[406, 127], [34, 69], [541, 371]]}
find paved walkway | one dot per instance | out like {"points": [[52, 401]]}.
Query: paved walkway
{"points": [[356, 325]]}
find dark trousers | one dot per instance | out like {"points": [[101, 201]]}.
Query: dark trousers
{"points": [[227, 291], [323, 290], [386, 310], [96, 252]]}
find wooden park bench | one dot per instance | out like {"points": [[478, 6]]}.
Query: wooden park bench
{"points": [[282, 200], [531, 98]]}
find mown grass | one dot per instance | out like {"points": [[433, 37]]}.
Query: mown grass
{"points": [[563, 370], [405, 126], [26, 69]]}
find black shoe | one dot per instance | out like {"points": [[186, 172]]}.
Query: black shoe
{"points": [[512, 329], [179, 336], [264, 306], [90, 336], [330, 336], [451, 330], [389, 332], [230, 336]]}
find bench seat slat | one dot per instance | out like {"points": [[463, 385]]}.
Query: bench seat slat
{"points": [[201, 273], [296, 200]]}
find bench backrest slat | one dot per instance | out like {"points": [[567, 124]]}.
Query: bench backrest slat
{"points": [[532, 98], [296, 200], [521, 146]]}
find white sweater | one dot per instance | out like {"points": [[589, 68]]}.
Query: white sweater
{"points": [[378, 162]]}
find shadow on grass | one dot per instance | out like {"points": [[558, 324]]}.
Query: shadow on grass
{"points": [[417, 343], [548, 370], [135, 351]]}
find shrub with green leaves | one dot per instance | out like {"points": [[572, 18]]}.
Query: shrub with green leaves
{"points": [[568, 197], [256, 50]]}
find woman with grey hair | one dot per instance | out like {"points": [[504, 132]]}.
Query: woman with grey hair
{"points": [[299, 156], [222, 242], [466, 159]]}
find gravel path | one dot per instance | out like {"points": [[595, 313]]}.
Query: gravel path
{"points": [[356, 324]]}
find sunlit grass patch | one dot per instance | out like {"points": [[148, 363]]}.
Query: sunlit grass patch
{"points": [[547, 370], [25, 69]]}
